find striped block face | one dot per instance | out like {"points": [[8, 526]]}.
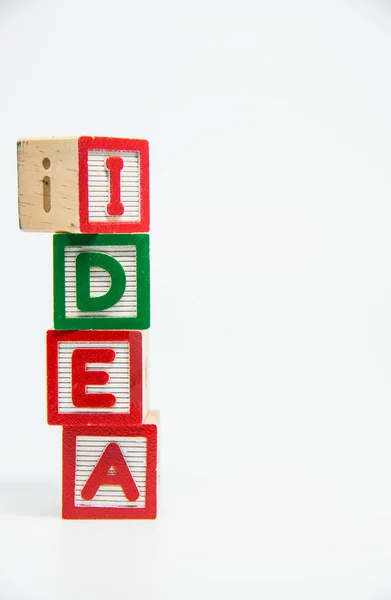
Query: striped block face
{"points": [[113, 185], [101, 281], [97, 377], [110, 472], [86, 185]]}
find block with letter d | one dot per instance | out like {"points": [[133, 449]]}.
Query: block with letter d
{"points": [[101, 281]]}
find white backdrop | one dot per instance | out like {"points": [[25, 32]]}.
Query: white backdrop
{"points": [[270, 133]]}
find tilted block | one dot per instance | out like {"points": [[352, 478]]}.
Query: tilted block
{"points": [[97, 377], [110, 472], [101, 281], [85, 184]]}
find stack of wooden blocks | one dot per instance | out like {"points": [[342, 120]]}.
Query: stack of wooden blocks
{"points": [[93, 194]]}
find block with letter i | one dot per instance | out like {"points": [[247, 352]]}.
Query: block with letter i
{"points": [[83, 185], [93, 194]]}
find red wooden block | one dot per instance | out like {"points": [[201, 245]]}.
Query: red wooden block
{"points": [[110, 472], [84, 185], [97, 377]]}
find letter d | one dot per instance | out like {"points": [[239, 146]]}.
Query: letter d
{"points": [[84, 262]]}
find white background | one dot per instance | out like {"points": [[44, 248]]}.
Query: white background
{"points": [[270, 132]]}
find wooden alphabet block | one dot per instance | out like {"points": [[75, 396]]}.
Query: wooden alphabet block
{"points": [[85, 184], [101, 281], [110, 472], [97, 377]]}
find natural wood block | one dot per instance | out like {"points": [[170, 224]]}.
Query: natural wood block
{"points": [[97, 377], [85, 184], [110, 472], [101, 281]]}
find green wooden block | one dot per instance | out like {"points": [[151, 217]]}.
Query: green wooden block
{"points": [[101, 281]]}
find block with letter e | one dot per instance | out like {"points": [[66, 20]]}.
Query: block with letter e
{"points": [[97, 377], [110, 472], [101, 281]]}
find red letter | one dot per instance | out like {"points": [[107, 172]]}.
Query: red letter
{"points": [[81, 377], [111, 459], [114, 164]]}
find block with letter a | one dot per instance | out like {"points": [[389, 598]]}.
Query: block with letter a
{"points": [[97, 377], [85, 184], [101, 281], [110, 472]]}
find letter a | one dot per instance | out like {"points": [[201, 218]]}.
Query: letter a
{"points": [[111, 459]]}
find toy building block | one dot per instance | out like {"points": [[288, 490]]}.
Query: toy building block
{"points": [[97, 377], [110, 472], [85, 184], [101, 281]]}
